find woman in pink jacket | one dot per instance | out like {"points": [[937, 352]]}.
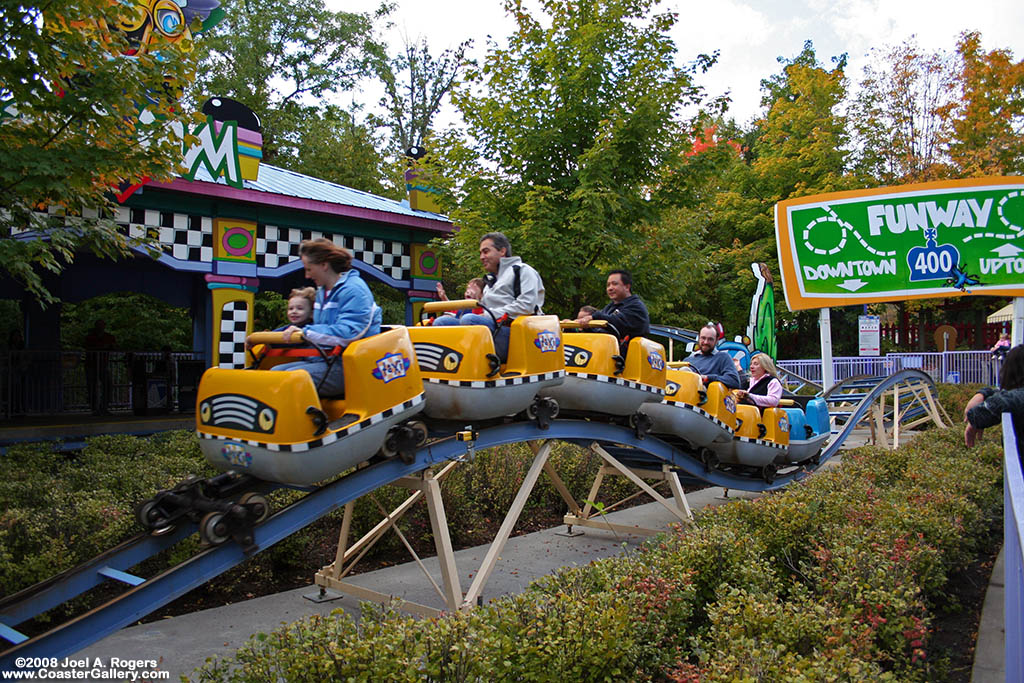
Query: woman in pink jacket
{"points": [[765, 389]]}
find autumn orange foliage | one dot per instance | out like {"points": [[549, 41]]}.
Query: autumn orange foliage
{"points": [[709, 141]]}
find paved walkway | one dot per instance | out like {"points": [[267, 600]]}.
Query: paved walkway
{"points": [[989, 655]]}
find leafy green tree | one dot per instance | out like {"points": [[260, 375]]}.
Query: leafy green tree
{"points": [[415, 84], [282, 59], [77, 118], [803, 149], [573, 121], [986, 122], [803, 141], [677, 266], [335, 146], [138, 322], [797, 148], [926, 116], [896, 119]]}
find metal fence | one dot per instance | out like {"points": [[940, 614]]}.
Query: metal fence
{"points": [[1013, 525], [952, 366], [56, 382]]}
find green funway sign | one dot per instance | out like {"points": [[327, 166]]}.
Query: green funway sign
{"points": [[941, 239]]}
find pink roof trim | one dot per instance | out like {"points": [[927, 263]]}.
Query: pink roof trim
{"points": [[316, 206]]}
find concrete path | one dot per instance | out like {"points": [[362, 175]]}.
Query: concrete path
{"points": [[989, 655]]}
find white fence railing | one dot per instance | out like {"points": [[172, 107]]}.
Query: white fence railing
{"points": [[1013, 526], [952, 366]]}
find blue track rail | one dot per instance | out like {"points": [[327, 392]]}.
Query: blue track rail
{"points": [[152, 593], [678, 334]]}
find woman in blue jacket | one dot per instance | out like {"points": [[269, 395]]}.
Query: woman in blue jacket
{"points": [[343, 312]]}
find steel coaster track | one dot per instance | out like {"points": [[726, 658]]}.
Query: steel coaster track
{"points": [[678, 334], [151, 594], [861, 387]]}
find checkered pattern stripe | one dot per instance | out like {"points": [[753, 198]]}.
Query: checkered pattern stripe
{"points": [[329, 438], [186, 237], [50, 217], [231, 349], [276, 246], [622, 383], [700, 411], [760, 442], [189, 237], [490, 384]]}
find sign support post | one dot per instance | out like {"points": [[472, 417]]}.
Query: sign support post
{"points": [[1017, 331], [827, 371]]}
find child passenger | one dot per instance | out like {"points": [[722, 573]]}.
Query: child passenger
{"points": [[344, 311], [300, 307], [300, 310], [1001, 347], [474, 290]]}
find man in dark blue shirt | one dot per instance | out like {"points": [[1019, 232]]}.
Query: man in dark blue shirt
{"points": [[626, 312], [713, 366]]}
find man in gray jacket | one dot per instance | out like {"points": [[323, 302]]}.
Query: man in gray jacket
{"points": [[513, 289], [713, 366]]}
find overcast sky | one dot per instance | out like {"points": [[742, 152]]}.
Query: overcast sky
{"points": [[749, 34]]}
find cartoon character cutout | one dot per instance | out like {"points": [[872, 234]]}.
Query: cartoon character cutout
{"points": [[761, 325]]}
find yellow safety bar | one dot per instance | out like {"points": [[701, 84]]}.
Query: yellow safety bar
{"points": [[275, 338], [572, 323], [456, 305]]}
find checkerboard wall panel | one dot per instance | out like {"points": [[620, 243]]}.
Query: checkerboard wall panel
{"points": [[186, 237], [189, 237], [231, 350], [276, 246]]}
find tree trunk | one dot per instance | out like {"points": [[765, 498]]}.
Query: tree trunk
{"points": [[904, 324], [922, 320], [979, 329]]}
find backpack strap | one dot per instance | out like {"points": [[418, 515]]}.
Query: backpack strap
{"points": [[517, 287]]}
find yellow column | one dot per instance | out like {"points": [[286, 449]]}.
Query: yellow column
{"points": [[232, 323]]}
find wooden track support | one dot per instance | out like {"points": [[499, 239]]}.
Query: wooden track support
{"points": [[426, 484], [912, 405], [587, 517], [542, 452]]}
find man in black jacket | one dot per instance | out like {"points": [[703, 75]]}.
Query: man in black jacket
{"points": [[626, 312], [986, 408]]}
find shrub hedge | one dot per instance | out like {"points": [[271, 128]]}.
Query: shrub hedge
{"points": [[58, 509], [836, 578]]}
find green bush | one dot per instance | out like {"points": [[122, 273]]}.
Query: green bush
{"points": [[60, 510], [837, 578], [607, 625], [952, 397], [756, 636]]}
